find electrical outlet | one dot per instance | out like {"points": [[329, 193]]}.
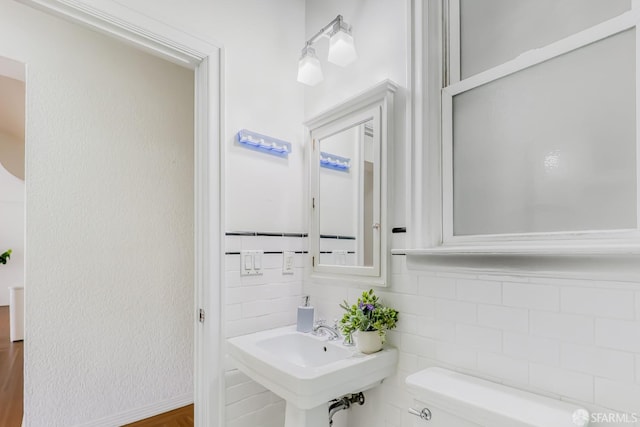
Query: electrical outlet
{"points": [[251, 263], [287, 262]]}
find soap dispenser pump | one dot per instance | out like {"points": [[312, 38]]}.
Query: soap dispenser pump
{"points": [[305, 316]]}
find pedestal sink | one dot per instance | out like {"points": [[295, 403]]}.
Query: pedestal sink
{"points": [[308, 371]]}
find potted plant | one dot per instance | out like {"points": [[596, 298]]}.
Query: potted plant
{"points": [[370, 319], [5, 256]]}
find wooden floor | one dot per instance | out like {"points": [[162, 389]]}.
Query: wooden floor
{"points": [[182, 417], [11, 379]]}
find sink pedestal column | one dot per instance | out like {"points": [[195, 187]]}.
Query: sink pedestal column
{"points": [[315, 417]]}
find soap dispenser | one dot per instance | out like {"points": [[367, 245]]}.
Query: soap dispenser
{"points": [[305, 316]]}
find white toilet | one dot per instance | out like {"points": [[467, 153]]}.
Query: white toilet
{"points": [[444, 398]]}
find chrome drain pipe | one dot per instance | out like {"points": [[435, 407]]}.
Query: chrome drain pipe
{"points": [[337, 405]]}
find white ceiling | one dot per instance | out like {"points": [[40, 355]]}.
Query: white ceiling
{"points": [[12, 104]]}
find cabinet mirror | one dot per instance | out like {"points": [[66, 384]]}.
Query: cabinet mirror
{"points": [[348, 170]]}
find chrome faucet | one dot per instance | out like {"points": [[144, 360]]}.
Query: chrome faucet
{"points": [[322, 329]]}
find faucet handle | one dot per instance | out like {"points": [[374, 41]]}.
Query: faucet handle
{"points": [[316, 325]]}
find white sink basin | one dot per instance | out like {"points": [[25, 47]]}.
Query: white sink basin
{"points": [[303, 350], [305, 370]]}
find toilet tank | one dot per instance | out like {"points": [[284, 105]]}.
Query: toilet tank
{"points": [[446, 398]]}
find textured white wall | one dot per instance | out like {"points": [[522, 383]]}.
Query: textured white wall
{"points": [[262, 42], [109, 293], [380, 35], [11, 232], [262, 47]]}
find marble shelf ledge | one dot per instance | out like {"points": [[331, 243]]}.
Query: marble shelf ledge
{"points": [[610, 262], [571, 250]]}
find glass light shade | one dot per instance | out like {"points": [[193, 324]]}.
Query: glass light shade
{"points": [[309, 70], [342, 50]]}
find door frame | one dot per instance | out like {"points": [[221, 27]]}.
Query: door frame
{"points": [[206, 60]]}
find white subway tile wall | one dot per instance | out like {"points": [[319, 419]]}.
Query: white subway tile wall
{"points": [[440, 287], [618, 394], [563, 382], [483, 291], [561, 326], [534, 349], [249, 404], [612, 364], [505, 318], [608, 303], [618, 334], [504, 367], [256, 303], [575, 340], [536, 297]]}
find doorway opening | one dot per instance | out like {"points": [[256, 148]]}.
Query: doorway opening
{"points": [[12, 239], [205, 59]]}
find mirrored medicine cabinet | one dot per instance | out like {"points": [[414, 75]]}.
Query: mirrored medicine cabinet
{"points": [[350, 148]]}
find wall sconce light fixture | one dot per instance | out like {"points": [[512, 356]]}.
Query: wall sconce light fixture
{"points": [[263, 143], [342, 51], [332, 161]]}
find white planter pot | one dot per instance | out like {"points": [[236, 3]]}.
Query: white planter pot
{"points": [[368, 342]]}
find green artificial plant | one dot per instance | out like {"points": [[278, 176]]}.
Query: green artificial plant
{"points": [[5, 257], [368, 314]]}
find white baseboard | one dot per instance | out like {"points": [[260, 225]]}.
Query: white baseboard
{"points": [[141, 413]]}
